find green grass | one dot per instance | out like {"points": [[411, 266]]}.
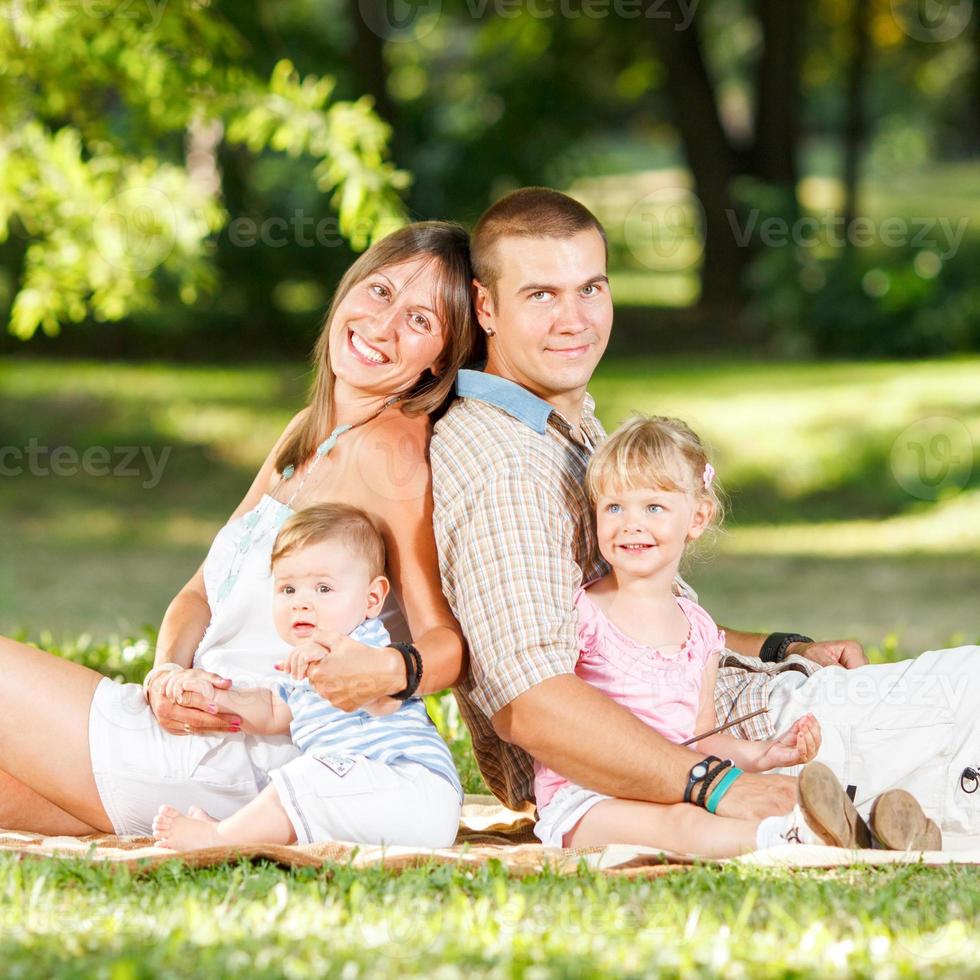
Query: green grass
{"points": [[255, 920], [823, 538]]}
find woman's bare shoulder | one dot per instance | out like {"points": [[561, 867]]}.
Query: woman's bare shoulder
{"points": [[393, 459]]}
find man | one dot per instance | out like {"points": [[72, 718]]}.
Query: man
{"points": [[515, 537]]}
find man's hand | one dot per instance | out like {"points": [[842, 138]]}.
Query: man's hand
{"points": [[195, 714], [846, 653], [754, 796], [352, 674]]}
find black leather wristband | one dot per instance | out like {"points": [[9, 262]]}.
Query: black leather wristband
{"points": [[775, 644], [703, 774], [413, 669]]}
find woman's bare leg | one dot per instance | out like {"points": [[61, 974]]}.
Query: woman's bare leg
{"points": [[680, 827], [44, 711], [23, 809]]}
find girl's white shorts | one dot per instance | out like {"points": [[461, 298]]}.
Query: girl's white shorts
{"points": [[563, 812], [138, 767]]}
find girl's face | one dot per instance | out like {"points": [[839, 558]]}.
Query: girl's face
{"points": [[643, 532], [386, 331]]}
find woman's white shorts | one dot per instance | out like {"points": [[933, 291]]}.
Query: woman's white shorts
{"points": [[563, 812], [138, 767]]}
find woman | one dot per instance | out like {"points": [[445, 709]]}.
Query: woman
{"points": [[80, 753]]}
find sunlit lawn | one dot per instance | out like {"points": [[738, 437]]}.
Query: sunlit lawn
{"points": [[257, 921], [823, 538]]}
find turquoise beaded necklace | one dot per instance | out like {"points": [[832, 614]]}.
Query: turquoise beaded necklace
{"points": [[324, 448], [253, 532]]}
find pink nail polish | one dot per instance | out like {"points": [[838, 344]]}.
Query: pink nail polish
{"points": [[213, 708]]}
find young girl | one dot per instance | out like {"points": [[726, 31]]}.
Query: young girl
{"points": [[656, 653], [379, 775]]}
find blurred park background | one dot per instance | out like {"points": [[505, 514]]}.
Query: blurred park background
{"points": [[792, 195]]}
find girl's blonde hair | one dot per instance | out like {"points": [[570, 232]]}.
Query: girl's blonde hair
{"points": [[657, 452]]}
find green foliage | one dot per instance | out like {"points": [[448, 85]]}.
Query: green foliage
{"points": [[111, 116]]}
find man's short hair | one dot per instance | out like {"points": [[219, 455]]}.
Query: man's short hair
{"points": [[332, 522], [531, 212]]}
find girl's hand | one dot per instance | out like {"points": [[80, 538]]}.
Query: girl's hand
{"points": [[195, 713], [797, 746]]}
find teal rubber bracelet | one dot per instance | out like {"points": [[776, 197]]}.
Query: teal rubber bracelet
{"points": [[724, 784]]}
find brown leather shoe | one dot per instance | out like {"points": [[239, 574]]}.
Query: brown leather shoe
{"points": [[828, 810], [900, 824]]}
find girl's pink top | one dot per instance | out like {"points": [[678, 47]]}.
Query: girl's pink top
{"points": [[662, 690]]}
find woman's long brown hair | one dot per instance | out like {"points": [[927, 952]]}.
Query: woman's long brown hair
{"points": [[447, 244]]}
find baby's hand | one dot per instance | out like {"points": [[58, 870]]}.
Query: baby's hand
{"points": [[188, 681], [796, 747], [299, 659]]}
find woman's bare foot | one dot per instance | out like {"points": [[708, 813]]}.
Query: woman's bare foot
{"points": [[172, 829]]}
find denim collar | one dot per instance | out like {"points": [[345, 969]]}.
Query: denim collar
{"points": [[515, 400]]}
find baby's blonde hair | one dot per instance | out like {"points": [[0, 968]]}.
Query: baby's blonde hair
{"points": [[656, 452], [329, 522]]}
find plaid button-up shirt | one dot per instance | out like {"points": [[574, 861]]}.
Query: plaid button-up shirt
{"points": [[515, 535]]}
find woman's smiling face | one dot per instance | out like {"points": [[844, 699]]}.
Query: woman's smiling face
{"points": [[387, 331]]}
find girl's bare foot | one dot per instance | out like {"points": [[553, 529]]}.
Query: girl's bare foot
{"points": [[172, 829]]}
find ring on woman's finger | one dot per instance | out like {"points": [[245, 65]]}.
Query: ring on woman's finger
{"points": [[187, 728]]}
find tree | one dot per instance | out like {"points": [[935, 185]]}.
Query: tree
{"points": [[111, 115]]}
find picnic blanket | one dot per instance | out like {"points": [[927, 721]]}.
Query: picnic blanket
{"points": [[488, 832]]}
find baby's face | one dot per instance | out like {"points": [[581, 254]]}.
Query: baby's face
{"points": [[324, 586]]}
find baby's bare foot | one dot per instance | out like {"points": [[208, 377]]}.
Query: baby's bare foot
{"points": [[172, 829], [196, 813]]}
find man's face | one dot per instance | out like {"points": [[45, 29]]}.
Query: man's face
{"points": [[552, 312]]}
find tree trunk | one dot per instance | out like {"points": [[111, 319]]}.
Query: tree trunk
{"points": [[777, 94], [855, 123], [710, 155], [368, 63]]}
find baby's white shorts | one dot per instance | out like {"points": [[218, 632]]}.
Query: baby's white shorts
{"points": [[353, 798]]}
